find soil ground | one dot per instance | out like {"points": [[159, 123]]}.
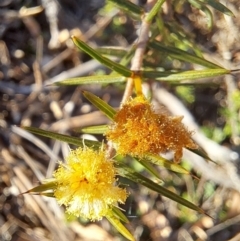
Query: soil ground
{"points": [[35, 49]]}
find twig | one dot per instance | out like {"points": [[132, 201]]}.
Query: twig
{"points": [[51, 11], [139, 53], [57, 60], [29, 161]]}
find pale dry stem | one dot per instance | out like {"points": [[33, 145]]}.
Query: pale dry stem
{"points": [[141, 43]]}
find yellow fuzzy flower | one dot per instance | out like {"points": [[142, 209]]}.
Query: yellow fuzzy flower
{"points": [[86, 184], [137, 130]]}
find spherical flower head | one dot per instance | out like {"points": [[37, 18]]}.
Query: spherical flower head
{"points": [[138, 131], [86, 184]]}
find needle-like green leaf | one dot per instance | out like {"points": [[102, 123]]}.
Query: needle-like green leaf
{"points": [[119, 226], [112, 51], [184, 75], [158, 160], [65, 138], [96, 79], [182, 55], [49, 184], [105, 61], [125, 171], [220, 7], [154, 11], [149, 167], [101, 129], [100, 104], [119, 214], [202, 153], [128, 6]]}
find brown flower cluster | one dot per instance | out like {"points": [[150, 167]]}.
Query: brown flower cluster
{"points": [[137, 130]]}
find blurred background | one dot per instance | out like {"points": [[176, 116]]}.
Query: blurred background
{"points": [[36, 50]]}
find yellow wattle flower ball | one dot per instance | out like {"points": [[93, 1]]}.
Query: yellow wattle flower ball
{"points": [[86, 184], [138, 131]]}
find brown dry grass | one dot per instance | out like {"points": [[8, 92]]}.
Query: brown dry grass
{"points": [[29, 58]]}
